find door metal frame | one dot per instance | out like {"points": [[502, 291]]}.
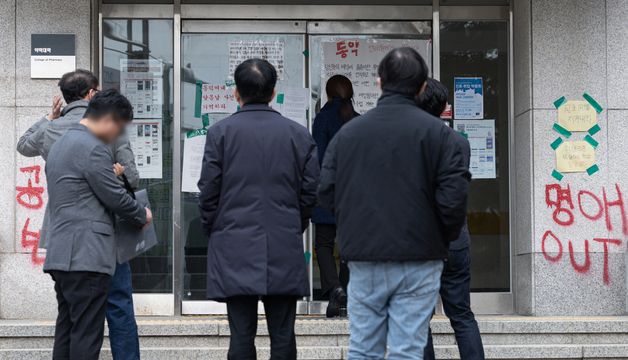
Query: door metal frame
{"points": [[266, 27], [402, 29], [190, 16]]}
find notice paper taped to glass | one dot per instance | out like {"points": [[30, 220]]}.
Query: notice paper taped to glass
{"points": [[146, 143], [293, 103], [468, 98], [193, 151], [141, 81], [481, 136], [358, 59], [271, 51], [218, 98]]}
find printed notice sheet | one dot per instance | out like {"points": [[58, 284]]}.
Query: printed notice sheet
{"points": [[141, 81], [145, 138], [218, 98], [358, 60], [293, 103], [193, 151], [468, 98], [271, 51], [481, 136]]}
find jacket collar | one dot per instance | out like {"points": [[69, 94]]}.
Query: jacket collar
{"points": [[395, 98], [257, 107], [78, 104]]}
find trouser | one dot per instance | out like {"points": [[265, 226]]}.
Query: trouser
{"points": [[390, 306], [454, 292], [82, 302], [123, 335], [324, 243], [280, 316]]}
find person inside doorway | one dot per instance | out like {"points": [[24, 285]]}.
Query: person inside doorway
{"points": [[337, 111], [456, 279], [257, 190], [396, 182]]}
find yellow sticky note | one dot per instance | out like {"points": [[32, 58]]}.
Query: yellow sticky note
{"points": [[577, 115], [574, 156]]}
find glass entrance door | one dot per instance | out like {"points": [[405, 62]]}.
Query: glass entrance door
{"points": [[138, 61], [354, 49], [210, 51], [477, 53]]}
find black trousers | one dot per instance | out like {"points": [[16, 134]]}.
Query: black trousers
{"points": [[280, 315], [324, 243], [82, 301], [454, 292]]}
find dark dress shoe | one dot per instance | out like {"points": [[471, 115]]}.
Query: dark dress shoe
{"points": [[337, 306]]}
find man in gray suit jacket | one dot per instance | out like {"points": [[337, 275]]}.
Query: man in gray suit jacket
{"points": [[84, 196], [78, 87]]}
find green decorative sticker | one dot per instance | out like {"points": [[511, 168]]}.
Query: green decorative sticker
{"points": [[198, 100], [561, 130], [592, 170], [557, 175], [591, 100], [280, 98], [556, 143], [559, 102], [205, 118], [591, 141], [594, 129], [195, 133]]}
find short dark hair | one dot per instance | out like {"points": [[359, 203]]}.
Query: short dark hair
{"points": [[109, 102], [255, 80], [403, 71], [434, 98], [76, 85]]}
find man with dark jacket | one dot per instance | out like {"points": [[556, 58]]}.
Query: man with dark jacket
{"points": [[84, 196], [258, 186], [456, 279], [397, 181], [78, 88]]}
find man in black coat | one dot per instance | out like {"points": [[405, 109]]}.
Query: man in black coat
{"points": [[258, 186], [456, 279], [397, 181]]}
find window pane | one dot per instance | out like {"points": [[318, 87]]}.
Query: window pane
{"points": [[471, 49], [137, 41], [205, 58]]}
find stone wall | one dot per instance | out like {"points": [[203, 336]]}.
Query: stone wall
{"points": [[25, 292], [568, 265], [561, 48]]}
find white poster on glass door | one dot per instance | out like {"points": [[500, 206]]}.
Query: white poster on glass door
{"points": [[358, 59]]}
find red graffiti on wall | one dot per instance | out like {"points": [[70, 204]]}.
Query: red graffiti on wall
{"points": [[31, 197], [593, 207], [30, 239]]}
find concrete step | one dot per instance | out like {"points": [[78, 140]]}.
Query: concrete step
{"points": [[501, 352], [505, 337]]}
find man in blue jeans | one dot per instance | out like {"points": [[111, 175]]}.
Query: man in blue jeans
{"points": [[397, 182], [456, 279], [78, 87]]}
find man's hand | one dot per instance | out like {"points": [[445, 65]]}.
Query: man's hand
{"points": [[118, 169], [56, 108], [149, 218]]}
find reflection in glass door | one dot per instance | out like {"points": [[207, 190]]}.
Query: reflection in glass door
{"points": [[479, 50], [209, 53], [354, 49], [138, 61]]}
